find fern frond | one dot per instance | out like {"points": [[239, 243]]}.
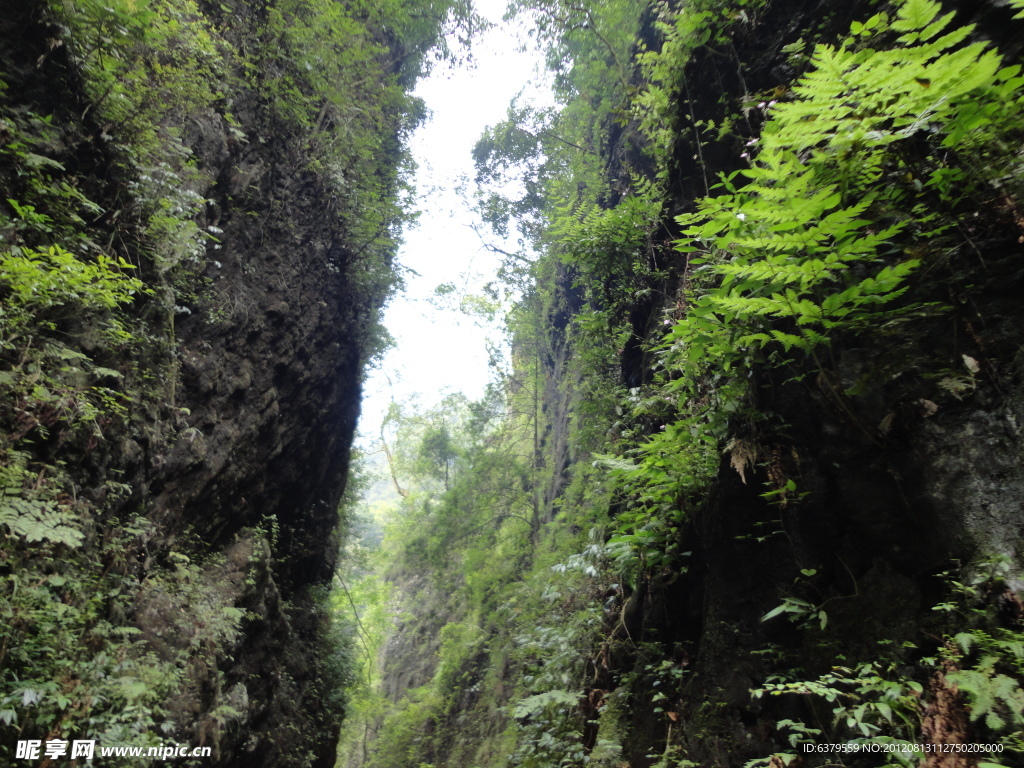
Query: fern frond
{"points": [[914, 16]]}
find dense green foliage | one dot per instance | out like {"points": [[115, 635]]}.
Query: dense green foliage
{"points": [[104, 241], [646, 346], [816, 243], [691, 253]]}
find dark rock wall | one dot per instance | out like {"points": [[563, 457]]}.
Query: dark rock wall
{"points": [[273, 388], [900, 482], [257, 406]]}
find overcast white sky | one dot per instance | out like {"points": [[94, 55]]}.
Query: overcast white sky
{"points": [[438, 351]]}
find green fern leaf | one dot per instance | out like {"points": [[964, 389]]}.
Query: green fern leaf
{"points": [[914, 15]]}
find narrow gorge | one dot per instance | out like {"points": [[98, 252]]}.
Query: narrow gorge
{"points": [[745, 490]]}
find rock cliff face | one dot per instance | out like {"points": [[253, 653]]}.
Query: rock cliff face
{"points": [[881, 525], [900, 481], [243, 388], [272, 393]]}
